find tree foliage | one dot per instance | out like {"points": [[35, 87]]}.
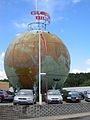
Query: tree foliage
{"points": [[73, 80], [78, 79]]}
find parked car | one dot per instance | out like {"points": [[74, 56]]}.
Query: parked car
{"points": [[54, 96], [6, 96], [87, 97], [24, 96], [82, 95], [73, 96]]}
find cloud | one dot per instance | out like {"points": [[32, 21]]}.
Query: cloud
{"points": [[2, 55], [20, 25], [2, 75], [77, 71], [18, 34], [85, 70], [53, 5], [2, 72], [2, 58], [88, 69], [58, 19], [88, 61], [80, 71]]}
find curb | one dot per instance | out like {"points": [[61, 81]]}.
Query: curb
{"points": [[61, 117]]}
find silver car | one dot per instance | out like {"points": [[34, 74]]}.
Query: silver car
{"points": [[24, 96], [54, 96], [87, 97]]}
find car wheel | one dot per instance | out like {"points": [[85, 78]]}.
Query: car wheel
{"points": [[35, 102], [61, 102], [14, 103]]}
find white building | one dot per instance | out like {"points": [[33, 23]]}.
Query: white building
{"points": [[79, 89]]}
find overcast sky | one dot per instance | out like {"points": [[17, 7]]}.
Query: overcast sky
{"points": [[70, 20]]}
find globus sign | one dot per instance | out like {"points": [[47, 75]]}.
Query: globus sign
{"points": [[41, 15]]}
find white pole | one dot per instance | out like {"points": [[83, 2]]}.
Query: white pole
{"points": [[40, 95]]}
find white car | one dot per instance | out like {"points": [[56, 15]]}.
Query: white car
{"points": [[54, 96], [87, 97], [24, 96]]}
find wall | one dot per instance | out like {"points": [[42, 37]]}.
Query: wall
{"points": [[79, 89], [31, 111], [4, 85]]}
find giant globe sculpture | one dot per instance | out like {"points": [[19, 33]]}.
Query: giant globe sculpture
{"points": [[21, 60]]}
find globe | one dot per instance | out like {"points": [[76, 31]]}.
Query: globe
{"points": [[21, 60]]}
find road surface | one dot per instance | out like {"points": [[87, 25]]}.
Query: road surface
{"points": [[79, 118]]}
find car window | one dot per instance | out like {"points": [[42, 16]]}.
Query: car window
{"points": [[53, 93], [24, 93], [10, 93], [1, 92], [73, 93]]}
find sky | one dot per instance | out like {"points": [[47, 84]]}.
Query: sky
{"points": [[70, 21]]}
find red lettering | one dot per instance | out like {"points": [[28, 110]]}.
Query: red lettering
{"points": [[35, 12], [42, 18], [41, 15], [37, 17]]}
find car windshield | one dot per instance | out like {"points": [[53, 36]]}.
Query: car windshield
{"points": [[53, 93], [24, 93], [74, 93]]}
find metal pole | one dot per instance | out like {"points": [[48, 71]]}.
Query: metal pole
{"points": [[37, 10], [47, 90], [40, 95]]}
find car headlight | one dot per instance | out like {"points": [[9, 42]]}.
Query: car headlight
{"points": [[49, 98], [60, 99], [68, 97], [29, 98], [15, 98]]}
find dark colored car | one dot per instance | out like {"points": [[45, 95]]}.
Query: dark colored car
{"points": [[73, 96], [6, 96], [82, 95]]}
